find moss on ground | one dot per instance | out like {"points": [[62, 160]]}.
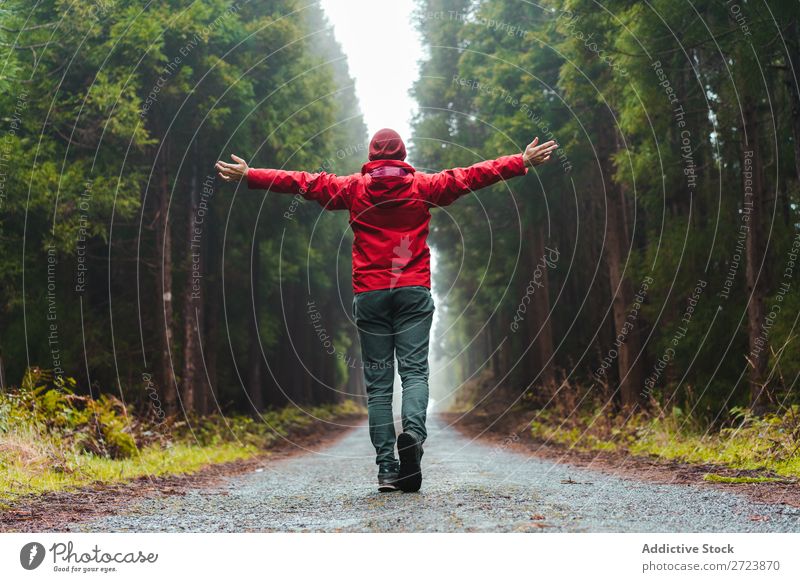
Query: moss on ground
{"points": [[768, 444], [54, 440]]}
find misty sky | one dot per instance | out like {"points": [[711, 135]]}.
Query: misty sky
{"points": [[382, 48]]}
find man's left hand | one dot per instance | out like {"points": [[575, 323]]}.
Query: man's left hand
{"points": [[232, 172]]}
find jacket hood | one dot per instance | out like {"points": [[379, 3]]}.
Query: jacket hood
{"points": [[387, 144], [387, 178], [371, 166]]}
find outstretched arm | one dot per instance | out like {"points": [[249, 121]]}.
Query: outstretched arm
{"points": [[446, 187], [327, 189]]}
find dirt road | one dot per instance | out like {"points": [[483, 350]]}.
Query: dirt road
{"points": [[468, 486]]}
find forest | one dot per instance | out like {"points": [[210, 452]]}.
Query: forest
{"points": [[653, 265], [126, 266]]}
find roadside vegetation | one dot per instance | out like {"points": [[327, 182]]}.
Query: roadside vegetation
{"points": [[754, 448], [632, 263], [53, 439], [744, 441]]}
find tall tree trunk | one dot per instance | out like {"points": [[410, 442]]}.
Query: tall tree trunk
{"points": [[284, 367], [754, 249], [192, 299], [507, 353], [626, 325], [330, 363], [254, 384], [164, 252], [529, 365], [3, 325], [493, 352], [540, 309], [304, 357], [792, 78], [211, 318]]}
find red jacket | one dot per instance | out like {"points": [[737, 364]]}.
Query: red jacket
{"points": [[389, 204]]}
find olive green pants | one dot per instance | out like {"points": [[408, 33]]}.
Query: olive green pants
{"points": [[394, 322]]}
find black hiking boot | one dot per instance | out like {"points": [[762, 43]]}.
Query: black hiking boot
{"points": [[410, 452], [388, 476]]}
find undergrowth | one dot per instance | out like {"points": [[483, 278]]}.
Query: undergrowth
{"points": [[54, 439], [748, 442], [766, 445]]}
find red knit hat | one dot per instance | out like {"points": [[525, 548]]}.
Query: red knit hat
{"points": [[387, 144]]}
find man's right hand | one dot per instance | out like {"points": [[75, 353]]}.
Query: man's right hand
{"points": [[536, 153]]}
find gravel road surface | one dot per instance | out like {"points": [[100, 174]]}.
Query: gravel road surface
{"points": [[468, 486]]}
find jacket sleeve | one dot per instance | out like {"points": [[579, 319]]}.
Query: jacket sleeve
{"points": [[329, 190], [445, 187]]}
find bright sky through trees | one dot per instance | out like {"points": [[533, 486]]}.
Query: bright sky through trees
{"points": [[383, 49]]}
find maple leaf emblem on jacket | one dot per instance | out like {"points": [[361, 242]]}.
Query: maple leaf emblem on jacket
{"points": [[402, 256]]}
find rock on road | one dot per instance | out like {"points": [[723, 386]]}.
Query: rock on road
{"points": [[468, 485]]}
